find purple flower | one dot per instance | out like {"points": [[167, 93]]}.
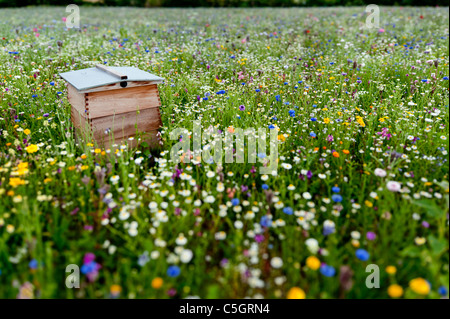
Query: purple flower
{"points": [[259, 238], [88, 257], [241, 107], [371, 235]]}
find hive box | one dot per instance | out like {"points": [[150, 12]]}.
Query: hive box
{"points": [[112, 104]]}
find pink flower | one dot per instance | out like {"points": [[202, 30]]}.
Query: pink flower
{"points": [[381, 30], [393, 186], [244, 40], [64, 19], [380, 172]]}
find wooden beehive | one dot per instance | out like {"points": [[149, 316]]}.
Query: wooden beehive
{"points": [[113, 104]]}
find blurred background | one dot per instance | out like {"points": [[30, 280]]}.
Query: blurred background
{"points": [[223, 3]]}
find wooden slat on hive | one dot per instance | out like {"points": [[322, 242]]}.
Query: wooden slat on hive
{"points": [[126, 124], [116, 86], [77, 100], [122, 100], [150, 138], [78, 120]]}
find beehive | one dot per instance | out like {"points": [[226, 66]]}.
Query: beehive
{"points": [[113, 104]]}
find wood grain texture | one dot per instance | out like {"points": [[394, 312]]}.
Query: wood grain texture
{"points": [[77, 99], [78, 120], [111, 71], [116, 86], [150, 138], [122, 101], [126, 124]]}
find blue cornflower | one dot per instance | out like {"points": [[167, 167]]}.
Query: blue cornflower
{"points": [[266, 221], [312, 134], [336, 198], [271, 126], [442, 291], [33, 264], [327, 270], [235, 201], [89, 267], [277, 97], [335, 189], [173, 271], [265, 186], [288, 210], [362, 254], [313, 119]]}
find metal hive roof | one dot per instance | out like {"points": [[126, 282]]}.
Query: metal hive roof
{"points": [[94, 77]]}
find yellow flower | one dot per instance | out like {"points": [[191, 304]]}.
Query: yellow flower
{"points": [[313, 262], [296, 293], [368, 203], [22, 165], [326, 120], [360, 121], [391, 270], [157, 283], [281, 137], [97, 151], [419, 286], [27, 131], [395, 291], [16, 181], [115, 289], [22, 168], [32, 148]]}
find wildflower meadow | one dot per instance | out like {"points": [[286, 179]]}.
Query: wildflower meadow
{"points": [[355, 204]]}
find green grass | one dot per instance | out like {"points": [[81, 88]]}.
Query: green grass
{"points": [[64, 200]]}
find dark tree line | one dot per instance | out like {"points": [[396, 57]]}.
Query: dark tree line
{"points": [[225, 3]]}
